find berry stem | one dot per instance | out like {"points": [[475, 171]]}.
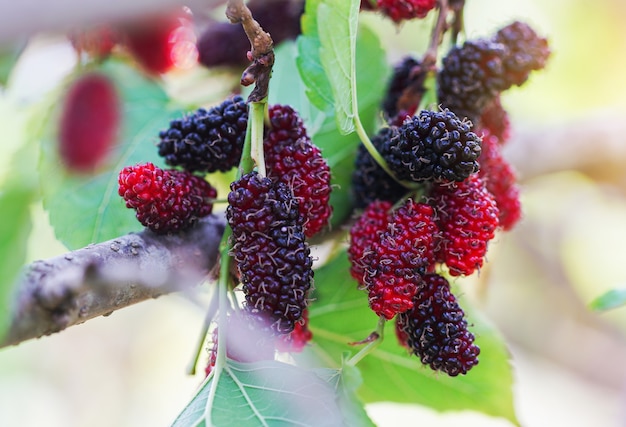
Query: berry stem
{"points": [[222, 307], [255, 121], [441, 26], [380, 328], [246, 164], [208, 318]]}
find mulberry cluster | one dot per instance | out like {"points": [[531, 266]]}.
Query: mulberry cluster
{"points": [[370, 182], [293, 159], [269, 248], [207, 141], [165, 200], [436, 331], [476, 72], [433, 146]]}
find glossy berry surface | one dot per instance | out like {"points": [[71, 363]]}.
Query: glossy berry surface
{"points": [[90, 122], [468, 217], [399, 10], [293, 159], [401, 254], [165, 200], [433, 146], [436, 331], [364, 232], [370, 182], [207, 140], [269, 247]]}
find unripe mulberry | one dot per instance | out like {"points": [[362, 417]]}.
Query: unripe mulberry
{"points": [[207, 141], [293, 159], [370, 181], [468, 217], [436, 330], [399, 257], [399, 10], [165, 200], [434, 146], [89, 124], [526, 51], [270, 250], [500, 180], [471, 76], [364, 233]]}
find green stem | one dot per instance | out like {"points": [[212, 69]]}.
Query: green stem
{"points": [[246, 164], [380, 329], [255, 121], [210, 314]]}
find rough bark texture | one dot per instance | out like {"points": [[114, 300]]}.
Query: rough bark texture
{"points": [[56, 293]]}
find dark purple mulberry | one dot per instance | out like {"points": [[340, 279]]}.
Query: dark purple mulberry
{"points": [[272, 256], [434, 146], [405, 73], [207, 141], [435, 329]]}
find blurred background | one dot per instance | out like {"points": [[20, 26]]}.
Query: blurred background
{"points": [[569, 148]]}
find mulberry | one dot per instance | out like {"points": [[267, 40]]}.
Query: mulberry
{"points": [[293, 159], [165, 200], [436, 330], [434, 146], [468, 217], [295, 341], [399, 10], [364, 233], [401, 254], [404, 74], [495, 119], [370, 181], [500, 180], [471, 76], [270, 250], [90, 121], [207, 141], [526, 51]]}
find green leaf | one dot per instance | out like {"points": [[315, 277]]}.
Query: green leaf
{"points": [[263, 394], [87, 209], [612, 299], [337, 23], [341, 315]]}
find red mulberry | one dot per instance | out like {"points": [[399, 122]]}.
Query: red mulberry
{"points": [[401, 254], [399, 10], [468, 217], [291, 158], [165, 200]]}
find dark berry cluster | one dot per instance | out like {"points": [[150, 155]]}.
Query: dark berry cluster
{"points": [[435, 329], [476, 72], [207, 140], [165, 200], [433, 146], [269, 248], [293, 159]]}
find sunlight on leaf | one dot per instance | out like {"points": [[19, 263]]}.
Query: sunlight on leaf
{"points": [[341, 315]]}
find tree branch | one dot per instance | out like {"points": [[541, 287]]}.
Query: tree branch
{"points": [[70, 289]]}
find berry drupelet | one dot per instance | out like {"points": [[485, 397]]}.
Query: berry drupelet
{"points": [[207, 140], [433, 146], [165, 200], [435, 329]]}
